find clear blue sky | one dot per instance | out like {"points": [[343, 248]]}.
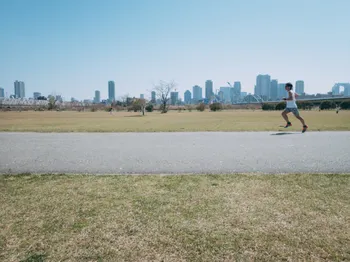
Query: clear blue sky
{"points": [[73, 47]]}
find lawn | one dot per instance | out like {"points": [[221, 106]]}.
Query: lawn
{"points": [[233, 120], [175, 218]]}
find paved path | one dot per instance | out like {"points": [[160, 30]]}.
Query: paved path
{"points": [[168, 153]]}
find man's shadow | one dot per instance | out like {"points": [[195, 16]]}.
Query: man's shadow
{"points": [[284, 133]]}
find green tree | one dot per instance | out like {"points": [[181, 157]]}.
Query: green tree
{"points": [[326, 105], [280, 106], [268, 107], [215, 107]]}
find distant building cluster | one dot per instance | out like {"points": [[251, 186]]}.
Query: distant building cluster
{"points": [[265, 89], [268, 89]]}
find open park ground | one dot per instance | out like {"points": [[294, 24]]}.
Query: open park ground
{"points": [[221, 217], [175, 218], [173, 121]]}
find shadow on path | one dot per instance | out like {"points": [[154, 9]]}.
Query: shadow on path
{"points": [[284, 133]]}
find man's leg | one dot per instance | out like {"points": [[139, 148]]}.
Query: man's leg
{"points": [[285, 116], [297, 115], [301, 120]]}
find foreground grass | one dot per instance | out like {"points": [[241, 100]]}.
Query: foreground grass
{"points": [[234, 120], [175, 218]]}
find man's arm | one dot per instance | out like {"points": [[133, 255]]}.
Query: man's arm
{"points": [[290, 97]]}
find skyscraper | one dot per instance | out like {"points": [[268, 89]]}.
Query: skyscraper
{"points": [[281, 92], [274, 90], [299, 87], [197, 93], [226, 94], [97, 98], [111, 91], [187, 97], [221, 95], [19, 89], [153, 97], [36, 95], [209, 89], [174, 97], [142, 96], [262, 89], [236, 92], [2, 93]]}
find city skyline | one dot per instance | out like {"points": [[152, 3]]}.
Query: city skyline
{"points": [[73, 48], [266, 87]]}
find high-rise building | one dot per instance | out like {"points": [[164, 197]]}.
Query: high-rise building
{"points": [[236, 92], [221, 95], [226, 94], [347, 89], [153, 97], [336, 90], [209, 89], [36, 95], [281, 92], [174, 97], [262, 88], [197, 93], [111, 91], [97, 98], [299, 87], [274, 90], [19, 89], [187, 97], [142, 96], [2, 93]]}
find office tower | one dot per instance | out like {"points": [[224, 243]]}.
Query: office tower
{"points": [[142, 96], [2, 93], [97, 98], [153, 97], [221, 95], [19, 89], [274, 90], [336, 90], [243, 94], [187, 97], [346, 89], [226, 94], [111, 91], [197, 93], [36, 95], [262, 89], [236, 92], [209, 89], [174, 97], [299, 87], [281, 92]]}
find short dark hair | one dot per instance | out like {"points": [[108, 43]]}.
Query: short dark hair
{"points": [[289, 85]]}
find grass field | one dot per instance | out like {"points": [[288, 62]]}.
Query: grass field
{"points": [[175, 218], [235, 120]]}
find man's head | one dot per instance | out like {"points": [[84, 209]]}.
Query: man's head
{"points": [[288, 86]]}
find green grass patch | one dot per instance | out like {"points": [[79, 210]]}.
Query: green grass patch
{"points": [[230, 120], [175, 218]]}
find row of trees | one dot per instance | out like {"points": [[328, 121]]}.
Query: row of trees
{"points": [[308, 105]]}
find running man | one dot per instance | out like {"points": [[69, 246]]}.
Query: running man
{"points": [[292, 107]]}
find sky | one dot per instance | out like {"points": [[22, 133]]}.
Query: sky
{"points": [[74, 47]]}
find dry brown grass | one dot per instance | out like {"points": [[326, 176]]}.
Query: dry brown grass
{"points": [[175, 218], [234, 120]]}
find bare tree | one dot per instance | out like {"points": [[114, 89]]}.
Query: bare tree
{"points": [[163, 90], [124, 99], [139, 104]]}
